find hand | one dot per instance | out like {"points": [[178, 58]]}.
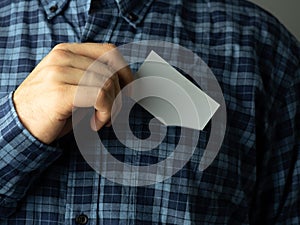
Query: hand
{"points": [[45, 100]]}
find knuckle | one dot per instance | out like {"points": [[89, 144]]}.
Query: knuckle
{"points": [[103, 116], [111, 51], [101, 95], [53, 72], [59, 54], [109, 46], [109, 85], [56, 69], [103, 99], [61, 46]]}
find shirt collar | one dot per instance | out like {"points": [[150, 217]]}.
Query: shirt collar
{"points": [[53, 7], [133, 11]]}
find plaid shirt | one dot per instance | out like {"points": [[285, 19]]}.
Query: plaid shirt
{"points": [[255, 178]]}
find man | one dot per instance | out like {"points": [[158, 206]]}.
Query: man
{"points": [[43, 177]]}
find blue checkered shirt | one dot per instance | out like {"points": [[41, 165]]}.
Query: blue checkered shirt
{"points": [[255, 178]]}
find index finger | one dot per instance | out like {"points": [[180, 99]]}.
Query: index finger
{"points": [[106, 53]]}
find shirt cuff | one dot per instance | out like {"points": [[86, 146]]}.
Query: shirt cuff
{"points": [[22, 156]]}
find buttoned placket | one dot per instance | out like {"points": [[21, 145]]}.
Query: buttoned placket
{"points": [[83, 214], [101, 24], [108, 16]]}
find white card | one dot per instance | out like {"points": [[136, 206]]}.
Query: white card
{"points": [[165, 112]]}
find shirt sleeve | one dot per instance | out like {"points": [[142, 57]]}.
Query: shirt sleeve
{"points": [[277, 194], [22, 157]]}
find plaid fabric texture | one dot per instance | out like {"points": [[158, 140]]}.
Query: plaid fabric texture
{"points": [[255, 178]]}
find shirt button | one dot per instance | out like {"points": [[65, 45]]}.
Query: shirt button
{"points": [[53, 8], [132, 17], [82, 219]]}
